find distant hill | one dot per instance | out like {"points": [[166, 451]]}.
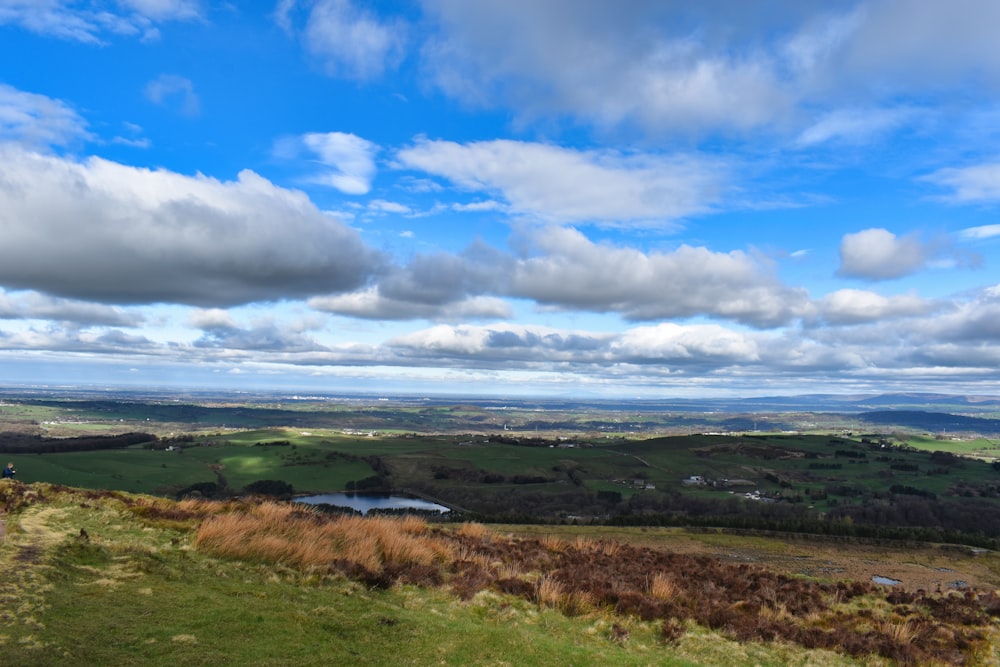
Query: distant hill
{"points": [[863, 403], [935, 422]]}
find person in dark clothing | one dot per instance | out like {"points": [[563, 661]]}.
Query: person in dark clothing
{"points": [[9, 471]]}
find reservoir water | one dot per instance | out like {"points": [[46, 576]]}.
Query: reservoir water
{"points": [[364, 502]]}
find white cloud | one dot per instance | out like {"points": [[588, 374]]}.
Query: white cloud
{"points": [[565, 271], [32, 305], [169, 87], [38, 121], [970, 185], [981, 232], [673, 68], [974, 320], [478, 206], [212, 318], [852, 306], [91, 22], [564, 185], [853, 126], [346, 38], [101, 231], [649, 65], [383, 206], [164, 10], [350, 158], [500, 344], [371, 304], [574, 273], [878, 254], [676, 343]]}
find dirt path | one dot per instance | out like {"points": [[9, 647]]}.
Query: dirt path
{"points": [[22, 597]]}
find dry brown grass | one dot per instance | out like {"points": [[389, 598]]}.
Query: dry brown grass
{"points": [[304, 538], [898, 630], [550, 592], [662, 587], [472, 530], [776, 614], [579, 577], [553, 543], [507, 570]]}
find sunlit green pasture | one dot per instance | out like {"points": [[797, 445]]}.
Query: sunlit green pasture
{"points": [[980, 447]]}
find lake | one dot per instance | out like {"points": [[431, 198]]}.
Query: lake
{"points": [[364, 502]]}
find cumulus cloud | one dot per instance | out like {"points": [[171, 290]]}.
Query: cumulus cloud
{"points": [[176, 92], [38, 121], [674, 343], [564, 185], [878, 254], [101, 231], [437, 286], [212, 318], [852, 306], [976, 320], [566, 271], [573, 272], [563, 270], [344, 37]]}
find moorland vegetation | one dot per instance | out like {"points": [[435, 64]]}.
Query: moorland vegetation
{"points": [[71, 552]]}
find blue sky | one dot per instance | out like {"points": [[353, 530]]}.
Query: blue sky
{"points": [[569, 197]]}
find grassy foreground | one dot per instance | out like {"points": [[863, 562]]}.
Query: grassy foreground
{"points": [[93, 578]]}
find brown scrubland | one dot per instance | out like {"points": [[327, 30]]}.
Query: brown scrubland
{"points": [[588, 575]]}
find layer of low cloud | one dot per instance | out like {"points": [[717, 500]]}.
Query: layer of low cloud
{"points": [[956, 341], [36, 306], [374, 305], [101, 231]]}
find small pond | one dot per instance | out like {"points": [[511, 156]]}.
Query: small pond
{"points": [[364, 502]]}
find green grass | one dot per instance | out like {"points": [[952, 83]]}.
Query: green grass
{"points": [[984, 447], [136, 593]]}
